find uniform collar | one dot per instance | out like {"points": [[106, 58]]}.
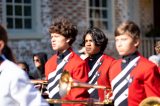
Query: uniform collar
{"points": [[128, 58], [92, 59], [62, 55], [95, 56]]}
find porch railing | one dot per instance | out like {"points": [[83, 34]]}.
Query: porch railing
{"points": [[147, 46]]}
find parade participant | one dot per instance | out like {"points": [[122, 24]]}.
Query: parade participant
{"points": [[156, 58], [39, 60], [157, 48], [63, 34], [24, 66], [99, 63], [15, 86], [132, 78]]}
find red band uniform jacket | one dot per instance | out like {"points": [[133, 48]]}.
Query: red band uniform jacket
{"points": [[145, 80], [78, 70], [103, 74]]}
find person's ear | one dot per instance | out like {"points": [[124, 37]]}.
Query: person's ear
{"points": [[68, 40], [1, 45], [137, 42]]}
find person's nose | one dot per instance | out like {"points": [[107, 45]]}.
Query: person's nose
{"points": [[88, 44], [52, 39], [118, 43]]}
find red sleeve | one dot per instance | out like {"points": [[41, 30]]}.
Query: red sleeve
{"points": [[152, 82], [46, 71], [79, 73], [50, 66]]}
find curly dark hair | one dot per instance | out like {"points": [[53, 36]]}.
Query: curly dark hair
{"points": [[64, 27], [98, 37]]}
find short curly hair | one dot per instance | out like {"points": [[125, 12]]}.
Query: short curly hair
{"points": [[64, 27]]}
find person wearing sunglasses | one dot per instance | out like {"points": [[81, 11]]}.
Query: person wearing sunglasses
{"points": [[39, 60]]}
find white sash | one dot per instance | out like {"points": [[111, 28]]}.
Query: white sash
{"points": [[124, 95], [98, 62], [57, 77]]}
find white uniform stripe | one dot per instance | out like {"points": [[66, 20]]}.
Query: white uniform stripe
{"points": [[91, 89], [121, 98], [123, 72], [53, 82], [57, 76], [94, 67], [124, 82], [54, 91], [90, 82], [60, 65], [52, 74]]}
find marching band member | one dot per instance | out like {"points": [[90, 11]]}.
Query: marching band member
{"points": [[132, 78], [15, 86], [156, 58], [63, 34], [99, 63]]}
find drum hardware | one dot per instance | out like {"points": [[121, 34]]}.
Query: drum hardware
{"points": [[150, 101]]}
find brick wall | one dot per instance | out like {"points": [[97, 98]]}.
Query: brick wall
{"points": [[75, 10]]}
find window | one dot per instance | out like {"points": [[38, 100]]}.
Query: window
{"points": [[19, 14], [22, 21], [100, 14]]}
